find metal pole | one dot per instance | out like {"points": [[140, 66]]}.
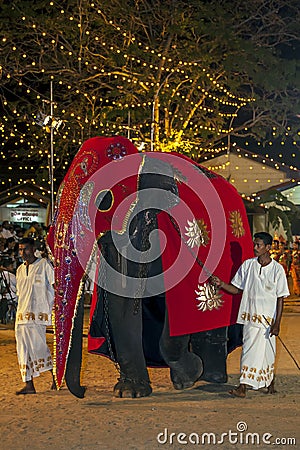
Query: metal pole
{"points": [[284, 346], [152, 126], [228, 139], [51, 168], [128, 124]]}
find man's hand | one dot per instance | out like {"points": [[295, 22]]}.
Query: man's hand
{"points": [[219, 284], [215, 281], [274, 330]]}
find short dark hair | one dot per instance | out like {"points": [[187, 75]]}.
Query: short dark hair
{"points": [[27, 240], [264, 236], [7, 262]]}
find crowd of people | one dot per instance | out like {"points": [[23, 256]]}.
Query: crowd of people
{"points": [[288, 257]]}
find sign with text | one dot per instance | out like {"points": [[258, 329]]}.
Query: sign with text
{"points": [[26, 215]]}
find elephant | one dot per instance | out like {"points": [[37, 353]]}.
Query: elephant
{"points": [[152, 227]]}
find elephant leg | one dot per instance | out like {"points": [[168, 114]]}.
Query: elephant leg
{"points": [[126, 330], [185, 366], [73, 367], [211, 346]]}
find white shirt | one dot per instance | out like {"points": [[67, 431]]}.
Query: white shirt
{"points": [[35, 292], [261, 286], [6, 234]]}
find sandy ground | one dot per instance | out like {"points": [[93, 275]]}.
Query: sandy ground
{"points": [[57, 420]]}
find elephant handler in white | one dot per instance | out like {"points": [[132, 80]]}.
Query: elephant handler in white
{"points": [[35, 279], [263, 284]]}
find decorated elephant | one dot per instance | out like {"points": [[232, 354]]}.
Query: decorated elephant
{"points": [[152, 228]]}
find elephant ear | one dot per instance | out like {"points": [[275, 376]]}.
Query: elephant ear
{"points": [[206, 233], [85, 206]]}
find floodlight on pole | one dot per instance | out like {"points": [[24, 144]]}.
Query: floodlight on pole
{"points": [[51, 123]]}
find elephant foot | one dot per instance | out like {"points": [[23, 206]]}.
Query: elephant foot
{"points": [[179, 384], [126, 388], [186, 371], [215, 377], [211, 346]]}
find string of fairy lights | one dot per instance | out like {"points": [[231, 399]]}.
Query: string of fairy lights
{"points": [[150, 61]]}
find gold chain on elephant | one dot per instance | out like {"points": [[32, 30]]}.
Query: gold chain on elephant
{"points": [[106, 316], [103, 275], [150, 224], [122, 377]]}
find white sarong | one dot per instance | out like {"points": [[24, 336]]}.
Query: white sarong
{"points": [[258, 357], [33, 353]]}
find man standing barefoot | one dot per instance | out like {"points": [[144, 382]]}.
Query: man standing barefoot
{"points": [[35, 279], [263, 282]]}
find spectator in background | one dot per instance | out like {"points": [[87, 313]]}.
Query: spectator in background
{"points": [[12, 250], [295, 267], [3, 248], [8, 280], [35, 231], [19, 231], [7, 230], [284, 257], [274, 252]]}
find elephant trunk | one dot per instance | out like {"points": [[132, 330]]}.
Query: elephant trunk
{"points": [[73, 368]]}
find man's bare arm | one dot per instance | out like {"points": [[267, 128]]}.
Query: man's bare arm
{"points": [[225, 286], [274, 330]]}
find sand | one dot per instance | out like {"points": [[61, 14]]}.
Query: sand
{"points": [[166, 419]]}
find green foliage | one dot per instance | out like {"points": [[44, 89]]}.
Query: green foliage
{"points": [[280, 210]]}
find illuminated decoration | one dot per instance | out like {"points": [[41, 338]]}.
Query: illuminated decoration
{"points": [[197, 233], [209, 297], [105, 76], [96, 113], [236, 223]]}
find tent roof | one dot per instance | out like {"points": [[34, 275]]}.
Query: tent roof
{"points": [[34, 192]]}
